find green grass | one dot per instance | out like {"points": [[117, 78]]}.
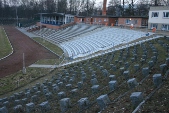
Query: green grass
{"points": [[48, 61], [74, 71], [9, 83], [4, 44], [49, 45]]}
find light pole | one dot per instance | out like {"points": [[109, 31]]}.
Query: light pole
{"points": [[16, 16], [24, 69]]}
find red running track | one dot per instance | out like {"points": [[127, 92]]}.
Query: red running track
{"points": [[22, 44]]}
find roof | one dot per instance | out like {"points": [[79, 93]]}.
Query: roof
{"points": [[54, 14], [133, 17], [155, 8]]}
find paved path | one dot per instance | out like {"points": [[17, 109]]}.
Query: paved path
{"points": [[43, 66]]}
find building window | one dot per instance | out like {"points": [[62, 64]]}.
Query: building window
{"points": [[95, 20], [128, 21], [154, 26], [165, 27], [135, 22], [105, 19], [166, 14], [100, 20], [155, 14]]}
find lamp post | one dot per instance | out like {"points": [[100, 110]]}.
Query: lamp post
{"points": [[16, 16]]}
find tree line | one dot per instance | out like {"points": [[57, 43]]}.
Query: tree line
{"points": [[29, 8]]}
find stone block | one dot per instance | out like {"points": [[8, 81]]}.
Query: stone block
{"points": [[83, 79], [12, 98], [61, 95], [145, 71], [167, 62], [105, 72], [30, 107], [94, 81], [144, 56], [6, 103], [17, 96], [157, 79], [44, 107], [55, 89], [38, 93], [69, 86], [65, 104], [126, 75], [3, 109], [18, 109], [17, 102], [154, 58], [80, 84], [102, 101], [45, 91], [132, 83], [150, 64], [38, 85], [136, 67], [48, 96], [93, 76], [114, 68], [126, 65], [34, 98], [95, 88], [60, 84], [163, 68], [112, 77], [121, 70], [83, 102], [112, 85], [27, 94], [24, 101], [74, 92], [136, 98]]}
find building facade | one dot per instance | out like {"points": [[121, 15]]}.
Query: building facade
{"points": [[159, 18], [135, 21]]}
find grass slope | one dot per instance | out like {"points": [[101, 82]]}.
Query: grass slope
{"points": [[115, 63], [4, 44], [52, 47]]}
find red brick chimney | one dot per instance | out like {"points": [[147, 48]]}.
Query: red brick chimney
{"points": [[104, 7]]}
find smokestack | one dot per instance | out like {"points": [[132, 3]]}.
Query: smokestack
{"points": [[104, 7]]}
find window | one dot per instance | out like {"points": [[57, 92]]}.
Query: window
{"points": [[166, 14], [100, 20], [135, 22], [154, 14], [165, 27], [105, 19], [95, 20], [154, 26], [128, 21]]}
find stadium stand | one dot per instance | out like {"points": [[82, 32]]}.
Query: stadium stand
{"points": [[89, 86]]}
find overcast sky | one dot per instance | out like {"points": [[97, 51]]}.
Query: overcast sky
{"points": [[98, 1]]}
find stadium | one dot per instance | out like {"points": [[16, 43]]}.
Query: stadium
{"points": [[91, 61]]}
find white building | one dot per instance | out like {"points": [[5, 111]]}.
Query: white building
{"points": [[159, 18]]}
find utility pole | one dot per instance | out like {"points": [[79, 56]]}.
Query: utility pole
{"points": [[87, 7], [123, 8], [24, 69]]}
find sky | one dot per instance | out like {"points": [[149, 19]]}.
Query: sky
{"points": [[98, 1]]}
